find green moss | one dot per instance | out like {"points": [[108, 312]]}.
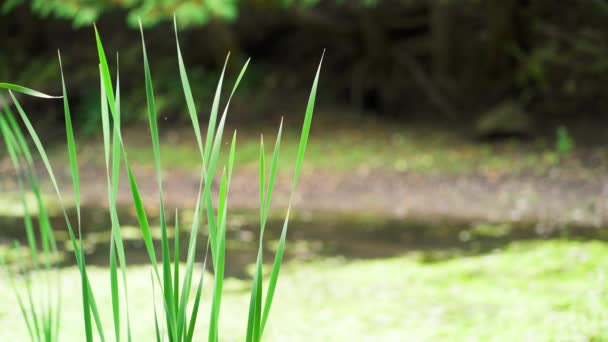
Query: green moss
{"points": [[540, 291]]}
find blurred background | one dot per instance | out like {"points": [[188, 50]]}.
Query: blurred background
{"points": [[456, 180]]}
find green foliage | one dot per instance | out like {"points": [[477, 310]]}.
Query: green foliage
{"points": [[41, 312], [563, 142], [82, 13], [176, 292], [151, 12]]}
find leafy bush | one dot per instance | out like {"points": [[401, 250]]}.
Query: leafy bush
{"points": [[42, 315], [189, 12]]}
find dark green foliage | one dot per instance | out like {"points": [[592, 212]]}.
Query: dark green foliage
{"points": [[189, 12], [455, 58], [152, 12]]}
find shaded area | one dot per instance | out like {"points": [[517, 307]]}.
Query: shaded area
{"points": [[310, 237], [447, 60]]}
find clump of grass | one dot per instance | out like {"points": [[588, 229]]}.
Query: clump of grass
{"points": [[176, 287]]}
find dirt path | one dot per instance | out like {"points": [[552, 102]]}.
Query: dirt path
{"points": [[545, 201], [575, 192]]}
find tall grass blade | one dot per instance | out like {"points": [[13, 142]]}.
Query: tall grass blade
{"points": [[188, 93], [76, 187], [197, 298], [14, 155], [255, 302], [214, 111], [219, 271], [114, 106], [71, 148], [22, 309], [52, 177], [306, 127], [152, 120], [274, 275], [105, 72], [206, 181], [26, 91], [156, 327], [13, 150], [30, 301], [142, 218], [114, 289], [176, 260]]}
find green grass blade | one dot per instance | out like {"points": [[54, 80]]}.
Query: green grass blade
{"points": [[20, 303], [14, 152], [31, 307], [255, 302], [152, 120], [197, 299], [113, 153], [251, 311], [107, 154], [306, 127], [105, 73], [152, 116], [194, 314], [22, 143], [217, 142], [105, 123], [213, 116], [231, 157], [219, 271], [262, 178], [37, 143], [258, 299], [274, 275], [272, 176], [114, 289], [91, 300], [51, 174], [18, 147], [156, 327], [188, 93], [176, 261], [71, 147], [142, 217], [238, 81], [204, 172], [145, 228], [187, 282], [26, 91], [73, 166], [256, 291], [58, 311]]}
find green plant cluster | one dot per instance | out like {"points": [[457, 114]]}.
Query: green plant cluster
{"points": [[151, 12], [189, 12], [178, 288]]}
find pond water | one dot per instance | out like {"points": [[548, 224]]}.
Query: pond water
{"points": [[311, 236]]}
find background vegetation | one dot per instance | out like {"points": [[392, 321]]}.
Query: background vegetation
{"points": [[455, 184], [453, 60]]}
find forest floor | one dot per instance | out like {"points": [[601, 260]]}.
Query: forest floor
{"points": [[367, 165]]}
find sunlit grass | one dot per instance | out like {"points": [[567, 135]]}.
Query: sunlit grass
{"points": [[539, 291]]}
